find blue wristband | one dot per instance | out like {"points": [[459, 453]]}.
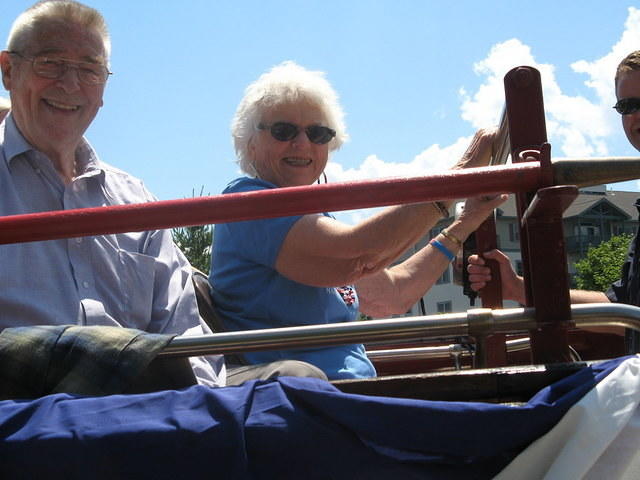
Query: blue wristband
{"points": [[444, 250]]}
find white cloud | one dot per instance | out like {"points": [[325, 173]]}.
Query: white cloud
{"points": [[602, 70], [576, 126], [434, 158], [484, 107]]}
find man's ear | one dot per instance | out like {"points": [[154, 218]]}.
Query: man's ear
{"points": [[5, 65]]}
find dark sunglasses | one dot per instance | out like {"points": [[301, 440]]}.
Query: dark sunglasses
{"points": [[627, 106], [285, 131]]}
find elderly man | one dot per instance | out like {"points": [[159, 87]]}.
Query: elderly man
{"points": [[627, 289], [55, 68]]}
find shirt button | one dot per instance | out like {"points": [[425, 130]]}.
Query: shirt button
{"points": [[78, 241], [85, 284]]}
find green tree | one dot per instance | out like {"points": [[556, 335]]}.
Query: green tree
{"points": [[601, 266], [195, 243]]}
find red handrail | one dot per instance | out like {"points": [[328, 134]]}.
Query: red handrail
{"points": [[452, 184]]}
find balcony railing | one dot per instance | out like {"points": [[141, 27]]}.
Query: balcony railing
{"points": [[581, 243]]}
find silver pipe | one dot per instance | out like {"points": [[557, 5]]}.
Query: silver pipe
{"points": [[445, 351], [415, 353], [440, 326], [584, 172], [449, 326]]}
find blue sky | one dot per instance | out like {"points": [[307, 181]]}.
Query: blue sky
{"points": [[416, 78]]}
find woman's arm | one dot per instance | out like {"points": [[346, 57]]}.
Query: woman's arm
{"points": [[321, 251], [395, 289]]}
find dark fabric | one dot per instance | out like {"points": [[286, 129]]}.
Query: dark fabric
{"points": [[288, 428], [37, 361], [207, 310], [238, 374], [627, 289]]}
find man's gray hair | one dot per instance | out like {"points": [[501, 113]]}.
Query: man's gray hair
{"points": [[44, 13], [285, 83]]}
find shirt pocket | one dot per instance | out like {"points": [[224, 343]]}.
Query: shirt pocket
{"points": [[136, 273]]}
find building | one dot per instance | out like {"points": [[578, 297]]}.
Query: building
{"points": [[595, 216]]}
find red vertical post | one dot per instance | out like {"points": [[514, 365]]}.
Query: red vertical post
{"points": [[527, 130], [549, 276], [494, 348], [544, 258]]}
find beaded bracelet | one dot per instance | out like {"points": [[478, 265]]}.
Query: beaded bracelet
{"points": [[444, 250], [450, 236]]}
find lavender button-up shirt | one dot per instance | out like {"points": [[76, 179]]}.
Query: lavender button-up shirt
{"points": [[137, 280]]}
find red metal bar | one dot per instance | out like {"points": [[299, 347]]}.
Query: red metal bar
{"points": [[540, 214], [495, 351], [451, 184], [527, 130], [549, 278]]}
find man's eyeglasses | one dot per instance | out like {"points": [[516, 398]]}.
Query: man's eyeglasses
{"points": [[627, 106], [285, 131], [50, 67]]}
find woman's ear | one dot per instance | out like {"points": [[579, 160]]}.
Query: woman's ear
{"points": [[251, 155], [251, 149]]}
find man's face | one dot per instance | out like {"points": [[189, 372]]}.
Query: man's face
{"points": [[629, 86], [53, 114]]}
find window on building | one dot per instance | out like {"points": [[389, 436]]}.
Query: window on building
{"points": [[444, 307], [514, 232], [519, 269], [589, 230], [619, 229], [445, 277]]}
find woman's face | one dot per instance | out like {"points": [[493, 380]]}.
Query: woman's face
{"points": [[294, 162]]}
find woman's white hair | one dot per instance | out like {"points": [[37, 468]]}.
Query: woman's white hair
{"points": [[42, 14], [285, 83]]}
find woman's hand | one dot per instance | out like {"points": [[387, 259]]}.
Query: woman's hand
{"points": [[480, 149], [477, 209]]}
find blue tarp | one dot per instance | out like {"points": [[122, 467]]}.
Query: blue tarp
{"points": [[289, 428]]}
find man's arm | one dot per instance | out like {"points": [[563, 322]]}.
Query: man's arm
{"points": [[175, 308], [513, 284]]}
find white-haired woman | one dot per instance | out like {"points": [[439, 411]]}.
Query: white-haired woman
{"points": [[313, 269]]}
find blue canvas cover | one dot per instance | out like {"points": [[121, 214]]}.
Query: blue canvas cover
{"points": [[290, 428]]}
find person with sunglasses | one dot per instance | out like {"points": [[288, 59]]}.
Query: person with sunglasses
{"points": [[627, 289], [313, 269], [56, 67]]}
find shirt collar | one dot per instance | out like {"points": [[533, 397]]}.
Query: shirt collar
{"points": [[15, 144]]}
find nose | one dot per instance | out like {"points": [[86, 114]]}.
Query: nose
{"points": [[69, 79], [301, 139]]}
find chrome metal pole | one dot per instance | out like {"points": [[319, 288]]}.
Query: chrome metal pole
{"points": [[433, 327]]}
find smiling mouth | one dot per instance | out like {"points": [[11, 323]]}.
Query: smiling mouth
{"points": [[61, 106], [297, 162]]}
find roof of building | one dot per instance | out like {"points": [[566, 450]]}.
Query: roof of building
{"points": [[621, 200]]}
